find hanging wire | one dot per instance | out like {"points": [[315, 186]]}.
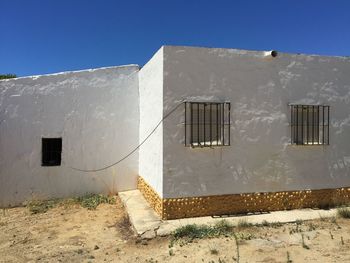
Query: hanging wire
{"points": [[135, 149]]}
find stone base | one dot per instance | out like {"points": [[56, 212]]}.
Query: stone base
{"points": [[151, 196], [175, 208]]}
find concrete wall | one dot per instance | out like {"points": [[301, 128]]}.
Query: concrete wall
{"points": [[151, 113], [96, 112], [259, 88]]}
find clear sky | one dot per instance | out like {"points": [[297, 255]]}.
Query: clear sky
{"points": [[47, 36]]}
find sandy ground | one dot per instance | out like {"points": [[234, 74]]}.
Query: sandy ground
{"points": [[75, 234]]}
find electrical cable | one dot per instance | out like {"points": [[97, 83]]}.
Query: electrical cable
{"points": [[136, 148]]}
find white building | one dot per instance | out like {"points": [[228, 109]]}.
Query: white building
{"points": [[264, 131], [94, 112]]}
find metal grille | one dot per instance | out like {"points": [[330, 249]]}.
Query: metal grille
{"points": [[309, 124], [207, 124], [51, 151]]}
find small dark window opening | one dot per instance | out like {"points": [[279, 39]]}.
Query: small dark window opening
{"points": [[309, 124], [207, 124], [51, 151]]}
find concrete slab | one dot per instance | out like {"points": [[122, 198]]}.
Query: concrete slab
{"points": [[148, 224], [142, 217]]}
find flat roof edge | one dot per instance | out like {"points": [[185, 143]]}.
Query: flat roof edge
{"points": [[72, 71], [238, 50]]}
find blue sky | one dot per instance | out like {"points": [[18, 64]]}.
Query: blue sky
{"points": [[39, 37]]}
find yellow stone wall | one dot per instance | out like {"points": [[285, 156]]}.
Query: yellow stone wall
{"points": [[174, 208], [150, 195]]}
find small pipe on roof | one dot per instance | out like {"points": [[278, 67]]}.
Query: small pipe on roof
{"points": [[271, 54]]}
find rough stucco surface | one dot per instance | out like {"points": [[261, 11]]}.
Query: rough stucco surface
{"points": [[95, 112], [260, 158], [151, 113]]}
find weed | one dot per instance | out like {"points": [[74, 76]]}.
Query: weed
{"points": [[299, 222], [311, 226], [223, 227], [265, 223], [91, 201], [288, 258], [193, 231], [268, 224], [297, 229], [243, 223], [276, 224], [37, 206], [244, 236], [68, 202], [303, 242], [124, 226], [322, 218], [343, 212]]}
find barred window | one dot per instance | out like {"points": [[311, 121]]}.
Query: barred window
{"points": [[51, 151], [207, 124], [309, 124]]}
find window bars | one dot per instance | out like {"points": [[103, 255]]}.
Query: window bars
{"points": [[309, 124], [51, 151], [207, 124]]}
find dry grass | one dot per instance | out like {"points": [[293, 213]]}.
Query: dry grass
{"points": [[71, 233], [89, 201], [193, 231], [343, 212], [41, 206], [243, 223]]}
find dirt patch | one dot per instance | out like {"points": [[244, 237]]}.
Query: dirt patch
{"points": [[76, 234]]}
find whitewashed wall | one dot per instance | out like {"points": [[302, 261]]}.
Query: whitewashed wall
{"points": [[96, 112], [260, 157], [151, 113]]}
